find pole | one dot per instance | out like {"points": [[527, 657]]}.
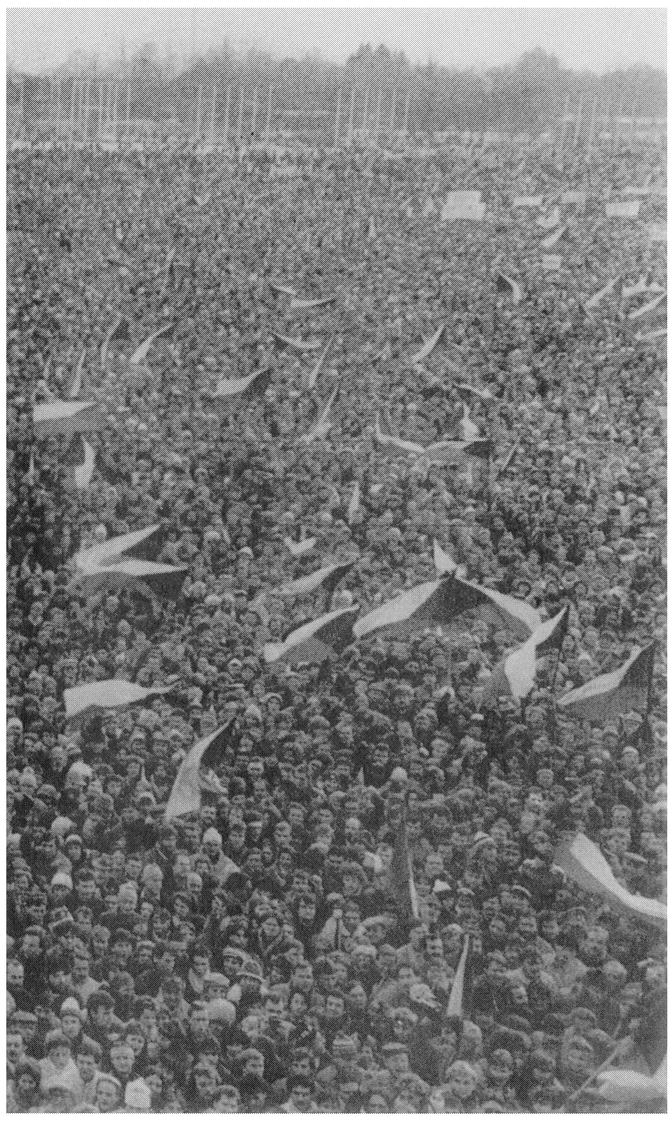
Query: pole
{"points": [[199, 111], [591, 133], [351, 118], [564, 124], [100, 112], [213, 112], [227, 111], [393, 109], [71, 121], [115, 113], [577, 128], [407, 107], [376, 126], [255, 102], [239, 129], [58, 108], [269, 110], [338, 117], [365, 115]]}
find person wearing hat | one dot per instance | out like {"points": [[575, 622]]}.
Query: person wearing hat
{"points": [[58, 1068]]}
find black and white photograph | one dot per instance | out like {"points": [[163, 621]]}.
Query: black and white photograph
{"points": [[336, 546]]}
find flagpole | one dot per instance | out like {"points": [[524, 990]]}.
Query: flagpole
{"points": [[618, 1050]]}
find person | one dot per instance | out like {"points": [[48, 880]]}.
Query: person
{"points": [[263, 948]]}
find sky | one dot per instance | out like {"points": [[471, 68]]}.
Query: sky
{"points": [[595, 38]]}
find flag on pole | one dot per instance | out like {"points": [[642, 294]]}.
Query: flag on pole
{"points": [[115, 693], [443, 563], [454, 451], [615, 285], [74, 387], [506, 284], [317, 641], [630, 1089], [437, 602], [140, 543], [401, 872], [456, 1000], [484, 394], [83, 472], [509, 458], [229, 387], [585, 865], [296, 344], [549, 221], [553, 238], [185, 797], [65, 418], [300, 548], [327, 577], [315, 372], [648, 309], [393, 445], [323, 424], [514, 675], [607, 696], [118, 333], [354, 503], [428, 347], [306, 305], [281, 289], [138, 356], [469, 429]]}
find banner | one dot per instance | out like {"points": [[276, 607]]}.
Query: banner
{"points": [[528, 201], [622, 209]]}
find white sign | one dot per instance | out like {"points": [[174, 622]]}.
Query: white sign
{"points": [[623, 209], [467, 212], [528, 200], [551, 262], [573, 198], [657, 234], [462, 198]]}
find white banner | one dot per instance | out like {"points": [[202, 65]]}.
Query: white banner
{"points": [[623, 209], [528, 200]]}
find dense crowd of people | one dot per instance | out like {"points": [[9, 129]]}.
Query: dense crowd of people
{"points": [[257, 956]]}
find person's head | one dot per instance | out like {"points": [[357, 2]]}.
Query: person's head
{"points": [[58, 1049], [108, 1094], [14, 1046], [300, 1090], [227, 1100], [27, 1077], [462, 1079], [89, 1056]]}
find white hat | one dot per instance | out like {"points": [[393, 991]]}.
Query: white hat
{"points": [[138, 1095], [211, 834]]}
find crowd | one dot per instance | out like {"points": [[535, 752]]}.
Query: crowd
{"points": [[257, 956]]}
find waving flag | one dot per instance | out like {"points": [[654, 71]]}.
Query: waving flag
{"points": [[454, 451], [443, 563], [147, 577], [549, 221], [83, 699], [328, 577], [393, 445], [118, 333], [469, 429], [506, 284], [630, 1089], [315, 372], [401, 872], [140, 543], [65, 418], [649, 308], [484, 394], [583, 862], [456, 1000], [323, 424], [318, 641], [306, 305], [515, 674], [300, 548], [650, 336], [612, 286], [281, 289], [74, 387], [229, 387], [553, 238], [185, 797], [607, 696], [354, 503], [139, 355], [437, 602], [427, 349], [83, 473], [296, 344]]}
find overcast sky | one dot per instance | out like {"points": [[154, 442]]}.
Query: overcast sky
{"points": [[593, 38]]}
